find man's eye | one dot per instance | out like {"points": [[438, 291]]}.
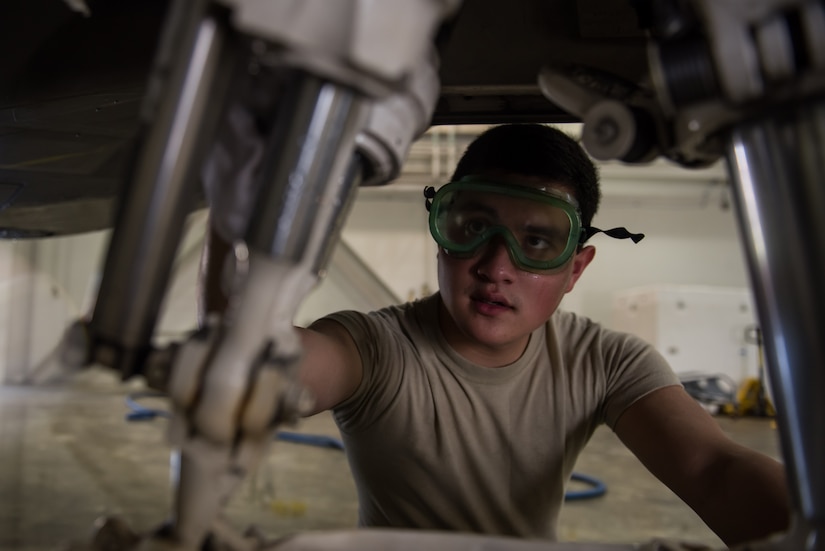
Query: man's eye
{"points": [[475, 227], [536, 242]]}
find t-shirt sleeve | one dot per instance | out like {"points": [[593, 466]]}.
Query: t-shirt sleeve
{"points": [[633, 369], [381, 376]]}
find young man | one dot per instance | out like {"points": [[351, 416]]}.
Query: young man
{"points": [[467, 410]]}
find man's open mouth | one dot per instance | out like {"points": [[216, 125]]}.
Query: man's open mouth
{"points": [[492, 301]]}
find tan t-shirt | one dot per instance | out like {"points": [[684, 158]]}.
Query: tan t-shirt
{"points": [[437, 442]]}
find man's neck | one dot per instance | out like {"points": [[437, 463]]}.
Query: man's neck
{"points": [[485, 355]]}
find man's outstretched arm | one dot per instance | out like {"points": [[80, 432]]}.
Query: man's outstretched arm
{"points": [[330, 366], [741, 494]]}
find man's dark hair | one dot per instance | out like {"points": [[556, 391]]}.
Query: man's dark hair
{"points": [[535, 150]]}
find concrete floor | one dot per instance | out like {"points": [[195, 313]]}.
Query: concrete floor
{"points": [[67, 456]]}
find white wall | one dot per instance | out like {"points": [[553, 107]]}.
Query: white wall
{"points": [[686, 242], [45, 284], [389, 231]]}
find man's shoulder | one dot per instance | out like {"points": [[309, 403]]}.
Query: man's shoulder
{"points": [[393, 318], [567, 322], [576, 330], [409, 312]]}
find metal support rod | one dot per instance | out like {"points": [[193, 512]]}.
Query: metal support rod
{"points": [[316, 122], [161, 192], [777, 168], [249, 382]]}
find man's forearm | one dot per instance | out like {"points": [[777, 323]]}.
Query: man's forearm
{"points": [[748, 498]]}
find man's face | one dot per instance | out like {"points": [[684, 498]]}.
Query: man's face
{"points": [[490, 305]]}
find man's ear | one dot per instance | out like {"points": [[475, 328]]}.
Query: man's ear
{"points": [[581, 260]]}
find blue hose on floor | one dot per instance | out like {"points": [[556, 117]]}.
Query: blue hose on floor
{"points": [[139, 412], [597, 488], [310, 439], [142, 413]]}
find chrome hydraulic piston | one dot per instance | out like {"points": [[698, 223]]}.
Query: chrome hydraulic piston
{"points": [[777, 167]]}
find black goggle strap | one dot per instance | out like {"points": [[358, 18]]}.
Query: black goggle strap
{"points": [[429, 193], [616, 233]]}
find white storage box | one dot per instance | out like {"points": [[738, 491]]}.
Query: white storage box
{"points": [[699, 330]]}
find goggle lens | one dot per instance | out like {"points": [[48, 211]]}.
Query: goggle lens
{"points": [[540, 230]]}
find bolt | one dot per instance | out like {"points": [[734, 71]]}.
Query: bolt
{"points": [[606, 130]]}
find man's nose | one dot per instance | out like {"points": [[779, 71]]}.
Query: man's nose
{"points": [[494, 262]]}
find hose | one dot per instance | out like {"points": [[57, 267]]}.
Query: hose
{"points": [[597, 488]]}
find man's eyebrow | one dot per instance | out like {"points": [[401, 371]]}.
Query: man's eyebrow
{"points": [[549, 231], [475, 205]]}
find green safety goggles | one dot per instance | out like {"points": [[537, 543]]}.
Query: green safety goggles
{"points": [[541, 227]]}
